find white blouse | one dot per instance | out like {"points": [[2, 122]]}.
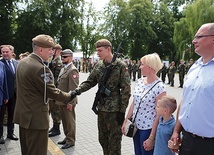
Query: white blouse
{"points": [[147, 113]]}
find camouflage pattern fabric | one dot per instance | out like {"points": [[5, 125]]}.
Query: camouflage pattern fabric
{"points": [[54, 109], [107, 123], [117, 81]]}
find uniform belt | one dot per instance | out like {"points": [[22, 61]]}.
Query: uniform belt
{"points": [[196, 136]]}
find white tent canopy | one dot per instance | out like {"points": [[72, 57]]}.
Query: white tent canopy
{"points": [[79, 56]]}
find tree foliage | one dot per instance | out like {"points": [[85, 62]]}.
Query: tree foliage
{"points": [[140, 28], [59, 19], [7, 15], [163, 27], [195, 15], [143, 26]]}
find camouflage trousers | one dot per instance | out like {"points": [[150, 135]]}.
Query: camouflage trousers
{"points": [[54, 111], [110, 134]]}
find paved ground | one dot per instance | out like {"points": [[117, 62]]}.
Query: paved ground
{"points": [[86, 137]]}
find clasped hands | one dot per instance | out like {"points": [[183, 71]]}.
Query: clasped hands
{"points": [[73, 94], [174, 142], [148, 144]]}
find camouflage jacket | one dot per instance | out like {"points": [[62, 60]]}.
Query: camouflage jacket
{"points": [[118, 81], [56, 67]]}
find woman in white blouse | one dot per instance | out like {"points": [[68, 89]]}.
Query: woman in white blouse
{"points": [[146, 119]]}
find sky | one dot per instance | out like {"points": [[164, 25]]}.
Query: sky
{"points": [[98, 4]]}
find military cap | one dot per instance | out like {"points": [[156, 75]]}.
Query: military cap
{"points": [[44, 41], [57, 46], [102, 42], [67, 51]]}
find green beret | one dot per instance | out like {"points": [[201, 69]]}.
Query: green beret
{"points": [[57, 46], [102, 42], [44, 41], [67, 51]]}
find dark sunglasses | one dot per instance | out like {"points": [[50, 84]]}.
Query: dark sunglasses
{"points": [[65, 56]]}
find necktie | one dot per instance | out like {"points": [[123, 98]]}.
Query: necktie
{"points": [[11, 66]]}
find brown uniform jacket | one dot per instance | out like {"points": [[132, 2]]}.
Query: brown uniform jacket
{"points": [[34, 86], [68, 80]]}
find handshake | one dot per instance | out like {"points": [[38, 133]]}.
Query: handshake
{"points": [[74, 93]]}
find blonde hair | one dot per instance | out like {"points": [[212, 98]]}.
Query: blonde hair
{"points": [[153, 60], [169, 102]]}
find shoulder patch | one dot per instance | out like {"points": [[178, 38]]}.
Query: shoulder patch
{"points": [[74, 76]]}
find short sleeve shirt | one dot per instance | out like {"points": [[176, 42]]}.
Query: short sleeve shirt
{"points": [[146, 114]]}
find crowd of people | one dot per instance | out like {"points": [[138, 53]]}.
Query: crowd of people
{"points": [[166, 73], [46, 84]]}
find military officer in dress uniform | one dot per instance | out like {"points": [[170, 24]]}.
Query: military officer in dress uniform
{"points": [[68, 80], [55, 65], [35, 85], [111, 112]]}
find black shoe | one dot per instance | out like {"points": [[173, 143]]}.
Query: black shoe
{"points": [[2, 140], [12, 137], [66, 146], [51, 130], [62, 142], [54, 133]]}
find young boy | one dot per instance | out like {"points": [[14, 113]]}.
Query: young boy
{"points": [[165, 108]]}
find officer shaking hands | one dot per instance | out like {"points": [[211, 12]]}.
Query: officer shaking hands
{"points": [[35, 84]]}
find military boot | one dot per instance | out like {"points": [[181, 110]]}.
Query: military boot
{"points": [[51, 129], [55, 131]]}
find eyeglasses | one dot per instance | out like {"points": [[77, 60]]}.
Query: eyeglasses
{"points": [[65, 56], [201, 36]]}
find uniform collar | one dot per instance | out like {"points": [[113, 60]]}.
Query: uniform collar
{"points": [[67, 65]]}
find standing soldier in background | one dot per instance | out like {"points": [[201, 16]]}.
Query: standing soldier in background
{"points": [[111, 111], [134, 69], [163, 72], [55, 66], [189, 64], [139, 70], [172, 70], [181, 72], [68, 80]]}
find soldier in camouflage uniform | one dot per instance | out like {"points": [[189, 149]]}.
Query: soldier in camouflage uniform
{"points": [[55, 66], [181, 71], [135, 68], [111, 112]]}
